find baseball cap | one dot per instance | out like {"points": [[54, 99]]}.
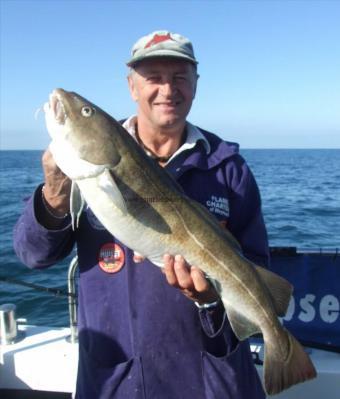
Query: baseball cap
{"points": [[162, 44]]}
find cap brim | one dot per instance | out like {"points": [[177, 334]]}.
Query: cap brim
{"points": [[159, 54]]}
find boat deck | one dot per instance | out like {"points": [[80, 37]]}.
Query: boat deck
{"points": [[42, 364], [42, 360]]}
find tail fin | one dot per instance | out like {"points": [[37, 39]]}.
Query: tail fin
{"points": [[296, 368]]}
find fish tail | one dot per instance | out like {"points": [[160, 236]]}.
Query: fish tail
{"points": [[295, 368]]}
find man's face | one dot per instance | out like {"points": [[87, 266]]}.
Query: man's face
{"points": [[164, 90]]}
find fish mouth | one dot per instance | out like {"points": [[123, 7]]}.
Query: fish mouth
{"points": [[55, 108]]}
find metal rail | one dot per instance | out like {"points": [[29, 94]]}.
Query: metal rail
{"points": [[71, 280], [72, 299]]}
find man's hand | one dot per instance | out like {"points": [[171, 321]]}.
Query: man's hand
{"points": [[190, 280], [57, 186]]}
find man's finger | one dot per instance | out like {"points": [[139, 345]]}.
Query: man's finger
{"points": [[200, 282], [182, 273], [169, 270], [137, 257]]}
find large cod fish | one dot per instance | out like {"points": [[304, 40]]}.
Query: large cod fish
{"points": [[141, 205]]}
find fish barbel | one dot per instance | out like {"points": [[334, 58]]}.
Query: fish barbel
{"points": [[141, 205]]}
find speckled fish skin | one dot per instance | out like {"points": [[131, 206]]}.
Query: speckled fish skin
{"points": [[141, 205]]}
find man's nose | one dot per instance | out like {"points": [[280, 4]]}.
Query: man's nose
{"points": [[168, 88]]}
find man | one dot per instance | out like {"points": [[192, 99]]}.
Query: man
{"points": [[143, 333]]}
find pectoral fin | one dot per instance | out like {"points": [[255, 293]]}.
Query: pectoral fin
{"points": [[107, 184], [76, 205]]}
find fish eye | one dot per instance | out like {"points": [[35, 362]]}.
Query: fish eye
{"points": [[87, 111]]}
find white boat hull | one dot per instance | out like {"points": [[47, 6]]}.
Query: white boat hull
{"points": [[44, 360]]}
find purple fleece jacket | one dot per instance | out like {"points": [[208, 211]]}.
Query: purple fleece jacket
{"points": [[138, 336]]}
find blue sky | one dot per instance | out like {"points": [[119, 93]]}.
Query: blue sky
{"points": [[270, 70]]}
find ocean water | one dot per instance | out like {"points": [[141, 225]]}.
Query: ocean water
{"points": [[300, 192]]}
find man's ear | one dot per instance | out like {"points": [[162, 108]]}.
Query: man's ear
{"points": [[132, 87], [195, 88]]}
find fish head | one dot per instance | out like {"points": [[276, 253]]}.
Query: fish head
{"points": [[80, 131], [66, 113]]}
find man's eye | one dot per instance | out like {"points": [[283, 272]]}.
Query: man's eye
{"points": [[153, 78], [181, 78]]}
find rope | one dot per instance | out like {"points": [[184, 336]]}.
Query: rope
{"points": [[55, 291]]}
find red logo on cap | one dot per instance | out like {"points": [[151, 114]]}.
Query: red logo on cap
{"points": [[111, 257], [158, 39]]}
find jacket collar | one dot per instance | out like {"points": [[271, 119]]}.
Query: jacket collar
{"points": [[198, 158], [194, 135], [202, 149]]}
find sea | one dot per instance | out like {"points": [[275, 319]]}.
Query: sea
{"points": [[300, 190]]}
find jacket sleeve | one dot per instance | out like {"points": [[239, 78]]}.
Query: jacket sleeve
{"points": [[246, 220], [35, 245]]}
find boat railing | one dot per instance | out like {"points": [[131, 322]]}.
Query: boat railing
{"points": [[72, 299], [277, 253], [8, 310]]}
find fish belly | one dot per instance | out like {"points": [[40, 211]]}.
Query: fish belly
{"points": [[125, 227]]}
